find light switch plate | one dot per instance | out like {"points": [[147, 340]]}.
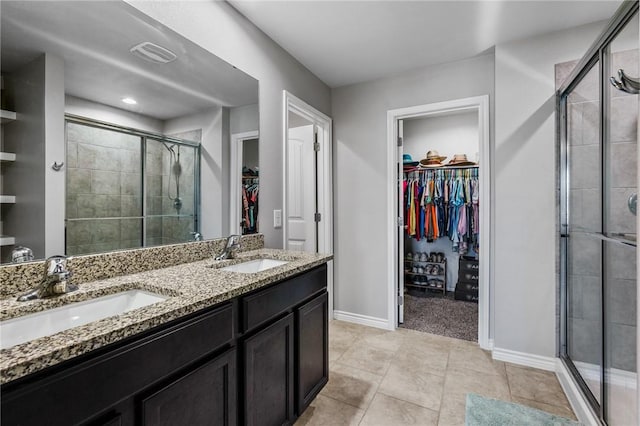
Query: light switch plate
{"points": [[277, 218]]}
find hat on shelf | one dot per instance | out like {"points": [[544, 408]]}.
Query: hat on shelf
{"points": [[408, 161], [434, 159], [460, 160]]}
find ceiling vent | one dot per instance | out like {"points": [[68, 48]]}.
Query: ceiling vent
{"points": [[153, 53]]}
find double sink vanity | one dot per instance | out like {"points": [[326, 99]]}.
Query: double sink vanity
{"points": [[237, 341]]}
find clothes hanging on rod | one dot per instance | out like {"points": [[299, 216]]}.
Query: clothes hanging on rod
{"points": [[443, 203], [250, 192]]}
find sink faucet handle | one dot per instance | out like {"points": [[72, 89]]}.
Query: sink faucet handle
{"points": [[56, 268]]}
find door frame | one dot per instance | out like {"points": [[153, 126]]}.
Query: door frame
{"points": [[235, 177], [481, 105], [325, 177]]}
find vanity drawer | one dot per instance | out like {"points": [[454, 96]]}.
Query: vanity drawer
{"points": [[119, 373], [265, 304]]}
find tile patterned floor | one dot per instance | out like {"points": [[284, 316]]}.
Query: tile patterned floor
{"points": [[405, 377]]}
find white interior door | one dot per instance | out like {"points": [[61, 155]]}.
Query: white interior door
{"points": [[400, 212], [301, 194]]}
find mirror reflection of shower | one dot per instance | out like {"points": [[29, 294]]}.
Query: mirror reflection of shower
{"points": [[175, 170]]}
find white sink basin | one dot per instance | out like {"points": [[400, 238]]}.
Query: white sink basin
{"points": [[254, 266], [45, 323]]}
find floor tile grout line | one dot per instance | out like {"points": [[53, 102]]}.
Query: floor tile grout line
{"points": [[341, 401]]}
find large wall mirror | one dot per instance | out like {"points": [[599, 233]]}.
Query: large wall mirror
{"points": [[118, 133]]}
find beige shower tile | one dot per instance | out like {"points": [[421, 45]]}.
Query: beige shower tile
{"points": [[107, 183], [409, 385], [78, 181], [351, 385], [325, 411], [385, 410]]}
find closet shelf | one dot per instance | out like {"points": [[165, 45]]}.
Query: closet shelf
{"points": [[6, 240], [7, 157], [425, 261], [7, 116], [7, 199], [417, 274], [427, 287]]}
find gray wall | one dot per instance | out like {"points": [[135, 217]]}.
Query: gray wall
{"points": [[244, 119], [525, 216], [36, 137], [360, 161], [219, 28]]}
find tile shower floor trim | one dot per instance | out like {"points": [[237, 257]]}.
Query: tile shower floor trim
{"points": [[406, 377]]}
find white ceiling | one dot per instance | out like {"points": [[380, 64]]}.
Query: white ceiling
{"points": [[94, 37], [345, 42]]}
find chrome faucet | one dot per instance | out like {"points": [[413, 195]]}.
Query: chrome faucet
{"points": [[196, 236], [55, 280], [231, 248]]}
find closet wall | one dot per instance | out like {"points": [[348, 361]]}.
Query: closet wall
{"points": [[449, 134]]}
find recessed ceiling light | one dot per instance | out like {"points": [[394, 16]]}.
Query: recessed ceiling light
{"points": [[129, 101]]}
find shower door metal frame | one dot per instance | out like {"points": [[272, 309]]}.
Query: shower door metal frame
{"points": [[144, 135], [597, 55]]}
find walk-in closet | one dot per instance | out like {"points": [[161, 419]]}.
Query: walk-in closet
{"points": [[440, 205]]}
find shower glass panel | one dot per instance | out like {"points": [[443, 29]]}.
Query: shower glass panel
{"points": [[171, 187], [621, 170], [104, 190], [128, 189], [584, 304], [598, 134]]}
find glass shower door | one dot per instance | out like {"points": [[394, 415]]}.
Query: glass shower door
{"points": [[620, 283], [584, 243], [171, 201], [599, 178]]}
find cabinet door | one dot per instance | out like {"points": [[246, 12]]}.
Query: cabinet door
{"points": [[269, 368], [205, 396], [313, 350]]}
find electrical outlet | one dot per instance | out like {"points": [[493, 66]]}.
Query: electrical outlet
{"points": [[277, 218]]}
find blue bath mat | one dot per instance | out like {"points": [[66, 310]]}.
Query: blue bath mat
{"points": [[483, 411]]}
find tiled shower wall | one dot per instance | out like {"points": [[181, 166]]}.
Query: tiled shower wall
{"points": [[104, 186], [585, 271], [105, 191], [165, 224]]}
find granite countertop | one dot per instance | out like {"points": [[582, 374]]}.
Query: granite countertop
{"points": [[190, 287]]}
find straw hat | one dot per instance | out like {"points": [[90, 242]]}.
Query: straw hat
{"points": [[434, 159], [460, 160]]}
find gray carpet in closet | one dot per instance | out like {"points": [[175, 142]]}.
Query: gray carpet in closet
{"points": [[441, 315]]}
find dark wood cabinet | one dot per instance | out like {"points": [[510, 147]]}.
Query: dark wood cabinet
{"points": [[312, 344], [268, 377], [258, 359], [205, 396], [102, 387]]}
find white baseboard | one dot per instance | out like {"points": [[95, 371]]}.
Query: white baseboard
{"points": [[580, 406], [522, 358], [362, 319]]}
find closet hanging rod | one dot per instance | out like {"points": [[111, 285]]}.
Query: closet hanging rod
{"points": [[434, 169]]}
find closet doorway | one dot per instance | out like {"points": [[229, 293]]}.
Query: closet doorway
{"points": [[439, 201], [245, 183]]}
